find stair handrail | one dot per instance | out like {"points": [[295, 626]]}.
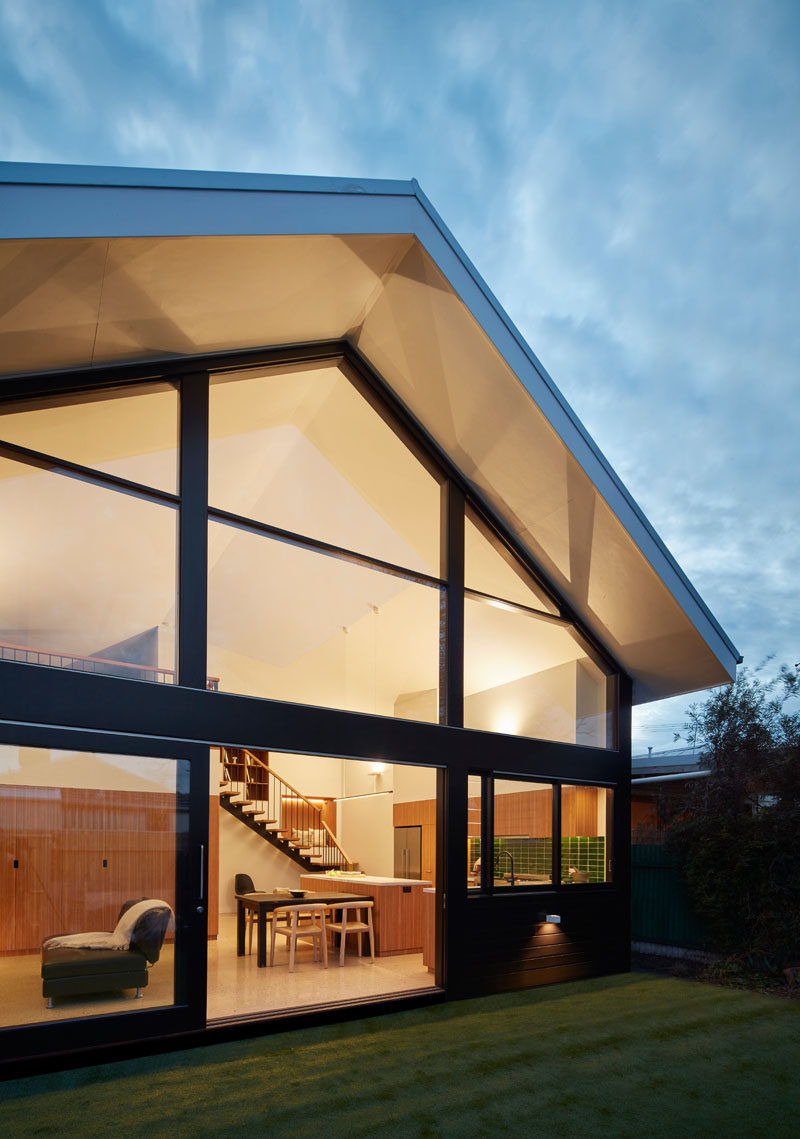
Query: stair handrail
{"points": [[300, 795]]}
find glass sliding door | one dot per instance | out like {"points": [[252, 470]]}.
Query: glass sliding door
{"points": [[101, 857]]}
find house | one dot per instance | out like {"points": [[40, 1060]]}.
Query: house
{"points": [[310, 574], [659, 777]]}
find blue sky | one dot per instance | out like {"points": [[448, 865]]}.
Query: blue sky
{"points": [[624, 174]]}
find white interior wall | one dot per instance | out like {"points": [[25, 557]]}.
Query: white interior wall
{"points": [[541, 706], [412, 784], [241, 851]]}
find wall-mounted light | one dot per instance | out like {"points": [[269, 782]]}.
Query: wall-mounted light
{"points": [[554, 919]]}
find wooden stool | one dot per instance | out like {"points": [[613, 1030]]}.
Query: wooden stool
{"points": [[354, 924], [293, 931]]}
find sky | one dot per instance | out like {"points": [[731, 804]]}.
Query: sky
{"points": [[623, 174]]}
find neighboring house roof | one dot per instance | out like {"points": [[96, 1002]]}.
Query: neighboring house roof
{"points": [[670, 764], [102, 265]]}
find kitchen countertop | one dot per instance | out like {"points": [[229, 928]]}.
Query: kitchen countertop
{"points": [[368, 880]]}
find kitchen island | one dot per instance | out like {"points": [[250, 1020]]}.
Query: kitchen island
{"points": [[397, 912]]}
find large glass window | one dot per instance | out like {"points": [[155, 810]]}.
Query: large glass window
{"points": [[289, 623], [81, 835], [130, 432], [523, 833], [490, 568], [586, 832], [87, 573], [522, 813], [529, 675], [299, 448]]}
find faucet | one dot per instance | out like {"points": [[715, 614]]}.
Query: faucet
{"points": [[510, 858]]}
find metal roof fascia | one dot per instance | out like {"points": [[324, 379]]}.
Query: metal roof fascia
{"points": [[54, 174], [49, 211]]}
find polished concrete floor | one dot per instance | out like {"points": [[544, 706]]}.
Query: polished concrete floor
{"points": [[236, 986]]}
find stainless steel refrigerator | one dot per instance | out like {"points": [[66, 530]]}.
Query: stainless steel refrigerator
{"points": [[408, 852]]}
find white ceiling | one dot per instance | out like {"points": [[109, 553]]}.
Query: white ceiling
{"points": [[94, 274]]}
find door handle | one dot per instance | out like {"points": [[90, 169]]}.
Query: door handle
{"points": [[202, 868]]}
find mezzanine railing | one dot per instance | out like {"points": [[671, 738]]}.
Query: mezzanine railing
{"points": [[27, 654]]}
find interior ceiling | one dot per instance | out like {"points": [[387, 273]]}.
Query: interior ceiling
{"points": [[74, 303]]}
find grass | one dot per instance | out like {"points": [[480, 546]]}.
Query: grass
{"points": [[633, 1055]]}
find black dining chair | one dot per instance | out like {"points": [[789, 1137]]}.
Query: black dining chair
{"points": [[243, 884]]}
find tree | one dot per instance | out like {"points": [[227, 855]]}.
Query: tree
{"points": [[737, 832]]}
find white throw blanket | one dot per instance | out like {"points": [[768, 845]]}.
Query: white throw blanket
{"points": [[119, 939]]}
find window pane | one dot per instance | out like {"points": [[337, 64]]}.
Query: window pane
{"points": [[527, 676], [85, 833], [586, 831], [291, 624], [130, 432], [490, 568], [88, 576], [523, 833], [474, 830], [300, 449]]}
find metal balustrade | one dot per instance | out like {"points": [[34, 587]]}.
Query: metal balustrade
{"points": [[27, 654], [257, 794]]}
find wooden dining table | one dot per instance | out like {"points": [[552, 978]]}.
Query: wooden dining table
{"points": [[263, 904]]}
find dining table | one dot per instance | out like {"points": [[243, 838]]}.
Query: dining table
{"points": [[263, 904]]}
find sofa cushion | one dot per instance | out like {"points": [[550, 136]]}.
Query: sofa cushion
{"points": [[80, 962]]}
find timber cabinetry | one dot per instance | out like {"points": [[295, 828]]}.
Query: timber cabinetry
{"points": [[397, 911], [72, 855]]}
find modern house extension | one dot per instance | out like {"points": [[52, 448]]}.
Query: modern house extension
{"points": [[311, 581]]}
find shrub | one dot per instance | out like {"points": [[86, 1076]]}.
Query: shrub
{"points": [[737, 833]]}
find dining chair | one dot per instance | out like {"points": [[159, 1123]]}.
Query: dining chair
{"points": [[243, 884], [353, 924], [302, 922]]}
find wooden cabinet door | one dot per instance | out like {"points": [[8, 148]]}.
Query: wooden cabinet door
{"points": [[38, 893], [8, 872], [81, 858]]}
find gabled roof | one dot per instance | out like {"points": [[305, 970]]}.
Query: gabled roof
{"points": [[103, 265]]}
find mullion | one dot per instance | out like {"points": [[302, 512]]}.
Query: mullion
{"points": [[526, 610], [251, 525], [68, 469], [193, 538], [452, 547]]}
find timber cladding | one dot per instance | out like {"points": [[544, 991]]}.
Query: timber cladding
{"points": [[511, 947], [77, 854]]}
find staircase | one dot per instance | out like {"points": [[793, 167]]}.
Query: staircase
{"points": [[252, 792]]}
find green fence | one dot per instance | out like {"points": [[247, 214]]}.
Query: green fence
{"points": [[659, 907]]}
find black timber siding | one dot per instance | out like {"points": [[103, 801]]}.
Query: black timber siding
{"points": [[510, 947]]}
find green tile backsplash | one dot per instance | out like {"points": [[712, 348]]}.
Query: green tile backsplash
{"points": [[534, 856]]}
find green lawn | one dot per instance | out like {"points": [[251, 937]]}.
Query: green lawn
{"points": [[634, 1055]]}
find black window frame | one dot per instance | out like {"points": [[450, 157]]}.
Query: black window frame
{"points": [[192, 376], [486, 888]]}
